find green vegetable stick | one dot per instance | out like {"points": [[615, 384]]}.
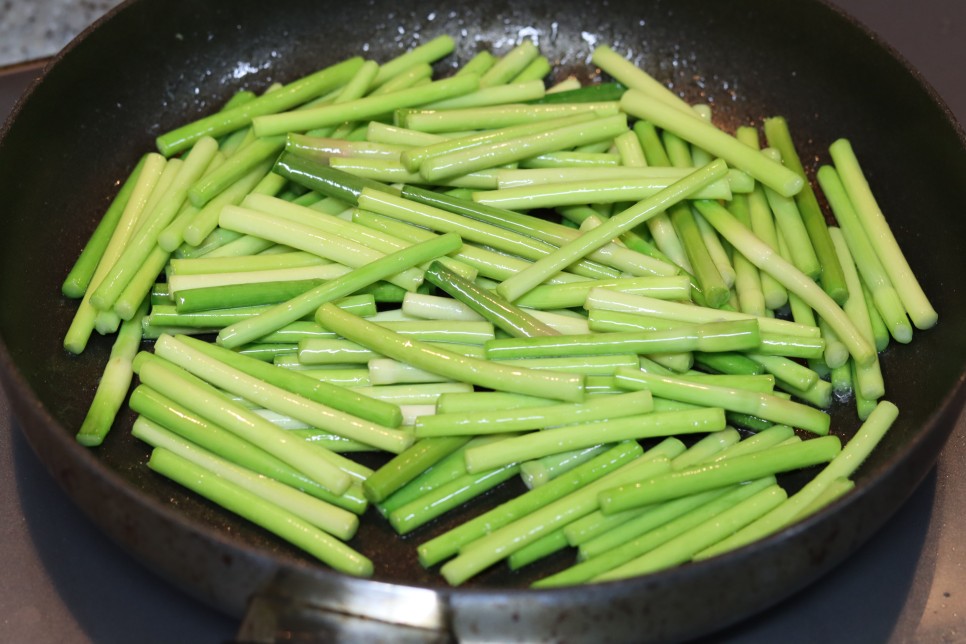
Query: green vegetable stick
{"points": [[478, 64], [449, 543], [790, 277], [583, 191], [547, 384], [779, 137], [529, 418], [869, 382], [327, 549], [632, 76], [870, 267], [114, 383], [499, 544], [734, 335], [334, 520], [278, 399], [200, 398], [499, 312], [610, 300], [311, 239], [792, 227], [545, 469], [856, 450], [83, 323], [407, 465], [428, 52], [522, 282], [566, 438], [414, 157], [349, 401], [684, 546], [446, 497], [496, 116], [296, 308], [758, 404], [700, 478], [295, 93], [165, 412], [490, 155], [215, 181], [516, 92], [363, 108], [708, 137], [879, 330], [145, 238], [511, 64], [81, 274], [921, 312], [557, 296]]}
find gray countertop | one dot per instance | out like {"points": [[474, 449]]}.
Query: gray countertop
{"points": [[39, 28], [908, 584]]}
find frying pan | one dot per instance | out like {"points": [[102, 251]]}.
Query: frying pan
{"points": [[152, 65]]}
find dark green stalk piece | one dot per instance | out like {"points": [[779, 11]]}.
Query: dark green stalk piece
{"points": [[235, 295], [406, 466], [588, 94], [832, 278], [325, 180], [495, 309]]}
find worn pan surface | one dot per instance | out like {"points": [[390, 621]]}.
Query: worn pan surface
{"points": [[152, 65]]}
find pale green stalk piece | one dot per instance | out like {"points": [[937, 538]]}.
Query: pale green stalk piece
{"points": [[492, 155], [790, 224], [451, 365], [144, 240], [83, 323], [496, 116], [762, 405], [869, 380], [791, 278], [521, 283], [870, 267], [561, 439], [449, 543], [708, 137], [767, 462], [610, 300], [236, 499], [113, 386], [334, 520], [363, 108], [501, 543], [278, 399], [530, 418], [202, 399], [302, 305], [685, 546], [621, 69], [920, 310], [511, 64], [843, 466]]}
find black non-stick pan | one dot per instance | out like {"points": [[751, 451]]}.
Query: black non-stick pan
{"points": [[152, 65]]}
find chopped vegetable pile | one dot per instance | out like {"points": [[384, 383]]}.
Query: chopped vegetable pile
{"points": [[593, 288]]}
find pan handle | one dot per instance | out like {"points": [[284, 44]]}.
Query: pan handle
{"points": [[337, 609]]}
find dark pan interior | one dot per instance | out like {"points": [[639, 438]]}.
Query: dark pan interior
{"points": [[154, 65]]}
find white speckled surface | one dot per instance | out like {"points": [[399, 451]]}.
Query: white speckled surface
{"points": [[31, 29]]}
